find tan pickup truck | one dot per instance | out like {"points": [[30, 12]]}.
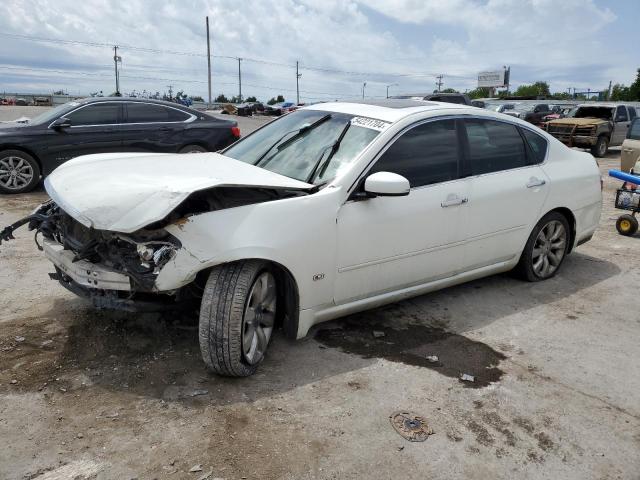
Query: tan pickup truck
{"points": [[595, 126], [630, 157]]}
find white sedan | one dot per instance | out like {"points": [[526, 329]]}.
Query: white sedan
{"points": [[333, 209]]}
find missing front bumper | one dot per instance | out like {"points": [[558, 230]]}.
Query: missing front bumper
{"points": [[85, 273]]}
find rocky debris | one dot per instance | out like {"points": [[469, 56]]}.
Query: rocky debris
{"points": [[465, 377], [196, 468]]}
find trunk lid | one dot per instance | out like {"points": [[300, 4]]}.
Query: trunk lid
{"points": [[124, 192]]}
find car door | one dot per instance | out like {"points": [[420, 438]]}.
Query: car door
{"points": [[151, 127], [507, 189], [387, 243], [631, 148], [620, 126], [95, 128]]}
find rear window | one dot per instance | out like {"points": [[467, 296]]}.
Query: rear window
{"points": [[148, 113], [634, 130], [537, 144], [494, 146]]}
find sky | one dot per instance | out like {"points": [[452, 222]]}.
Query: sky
{"points": [[340, 45]]}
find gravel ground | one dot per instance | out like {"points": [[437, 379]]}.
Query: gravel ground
{"points": [[117, 396]]}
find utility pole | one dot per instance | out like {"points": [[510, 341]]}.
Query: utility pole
{"points": [[392, 85], [170, 87], [609, 90], [439, 82], [298, 75], [116, 59], [239, 82], [208, 61], [363, 86]]}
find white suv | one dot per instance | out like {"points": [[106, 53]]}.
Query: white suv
{"points": [[333, 209]]}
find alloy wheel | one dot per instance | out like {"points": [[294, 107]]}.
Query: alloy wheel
{"points": [[259, 318], [15, 172], [549, 249]]}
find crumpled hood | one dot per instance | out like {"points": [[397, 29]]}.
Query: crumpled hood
{"points": [[578, 121], [124, 192]]}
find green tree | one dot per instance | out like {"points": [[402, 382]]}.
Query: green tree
{"points": [[620, 93], [279, 99], [536, 89], [480, 92], [634, 88], [273, 101], [561, 96], [221, 99], [251, 99], [197, 98], [448, 90]]}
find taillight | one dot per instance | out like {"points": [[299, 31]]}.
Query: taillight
{"points": [[235, 131]]}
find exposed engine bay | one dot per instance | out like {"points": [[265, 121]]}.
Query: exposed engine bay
{"points": [[87, 260]]}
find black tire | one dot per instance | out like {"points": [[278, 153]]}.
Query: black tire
{"points": [[193, 148], [627, 225], [225, 301], [9, 159], [526, 268], [601, 147]]}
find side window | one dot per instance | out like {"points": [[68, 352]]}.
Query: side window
{"points": [[148, 113], [95, 114], [542, 108], [494, 146], [537, 144], [621, 114], [634, 130], [632, 113], [424, 155]]}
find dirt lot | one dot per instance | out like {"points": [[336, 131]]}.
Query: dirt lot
{"points": [[119, 396]]}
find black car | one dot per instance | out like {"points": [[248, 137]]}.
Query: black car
{"points": [[100, 125]]}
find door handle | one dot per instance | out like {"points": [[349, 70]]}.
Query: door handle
{"points": [[452, 200], [628, 150], [535, 182]]}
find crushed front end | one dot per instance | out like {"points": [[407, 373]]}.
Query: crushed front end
{"points": [[113, 270]]}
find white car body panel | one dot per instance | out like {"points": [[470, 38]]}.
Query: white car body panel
{"points": [[96, 192], [340, 253]]}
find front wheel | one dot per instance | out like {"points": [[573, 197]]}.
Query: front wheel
{"points": [[600, 148], [546, 248], [237, 317]]}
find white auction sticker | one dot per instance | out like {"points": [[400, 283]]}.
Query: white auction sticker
{"points": [[372, 123]]}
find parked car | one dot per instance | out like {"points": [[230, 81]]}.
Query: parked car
{"points": [[630, 157], [530, 112], [500, 107], [597, 126], [459, 98], [278, 108], [559, 111], [327, 211], [34, 149]]}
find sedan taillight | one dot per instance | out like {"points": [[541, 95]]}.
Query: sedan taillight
{"points": [[235, 131]]}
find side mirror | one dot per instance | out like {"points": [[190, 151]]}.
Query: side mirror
{"points": [[386, 184], [60, 123]]}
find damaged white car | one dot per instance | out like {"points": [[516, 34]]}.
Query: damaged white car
{"points": [[333, 209]]}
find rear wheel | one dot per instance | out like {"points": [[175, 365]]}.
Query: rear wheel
{"points": [[600, 148], [237, 317], [546, 248], [627, 225], [193, 149], [19, 172]]}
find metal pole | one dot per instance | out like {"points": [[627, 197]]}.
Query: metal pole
{"points": [[209, 61], [297, 84], [115, 63], [387, 91], [239, 82]]}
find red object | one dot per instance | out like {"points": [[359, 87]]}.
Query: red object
{"points": [[235, 131]]}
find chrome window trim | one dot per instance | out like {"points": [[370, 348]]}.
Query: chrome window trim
{"points": [[457, 116], [191, 118]]}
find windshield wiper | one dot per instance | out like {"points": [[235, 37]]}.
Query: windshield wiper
{"points": [[298, 133], [320, 167]]}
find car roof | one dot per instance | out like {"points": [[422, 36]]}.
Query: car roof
{"points": [[390, 110], [88, 100]]}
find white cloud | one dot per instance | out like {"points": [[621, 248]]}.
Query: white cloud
{"points": [[334, 34]]}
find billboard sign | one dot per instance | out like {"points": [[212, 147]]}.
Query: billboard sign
{"points": [[495, 78]]}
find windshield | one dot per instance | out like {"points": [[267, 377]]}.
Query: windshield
{"points": [[313, 146], [51, 115], [605, 113]]}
